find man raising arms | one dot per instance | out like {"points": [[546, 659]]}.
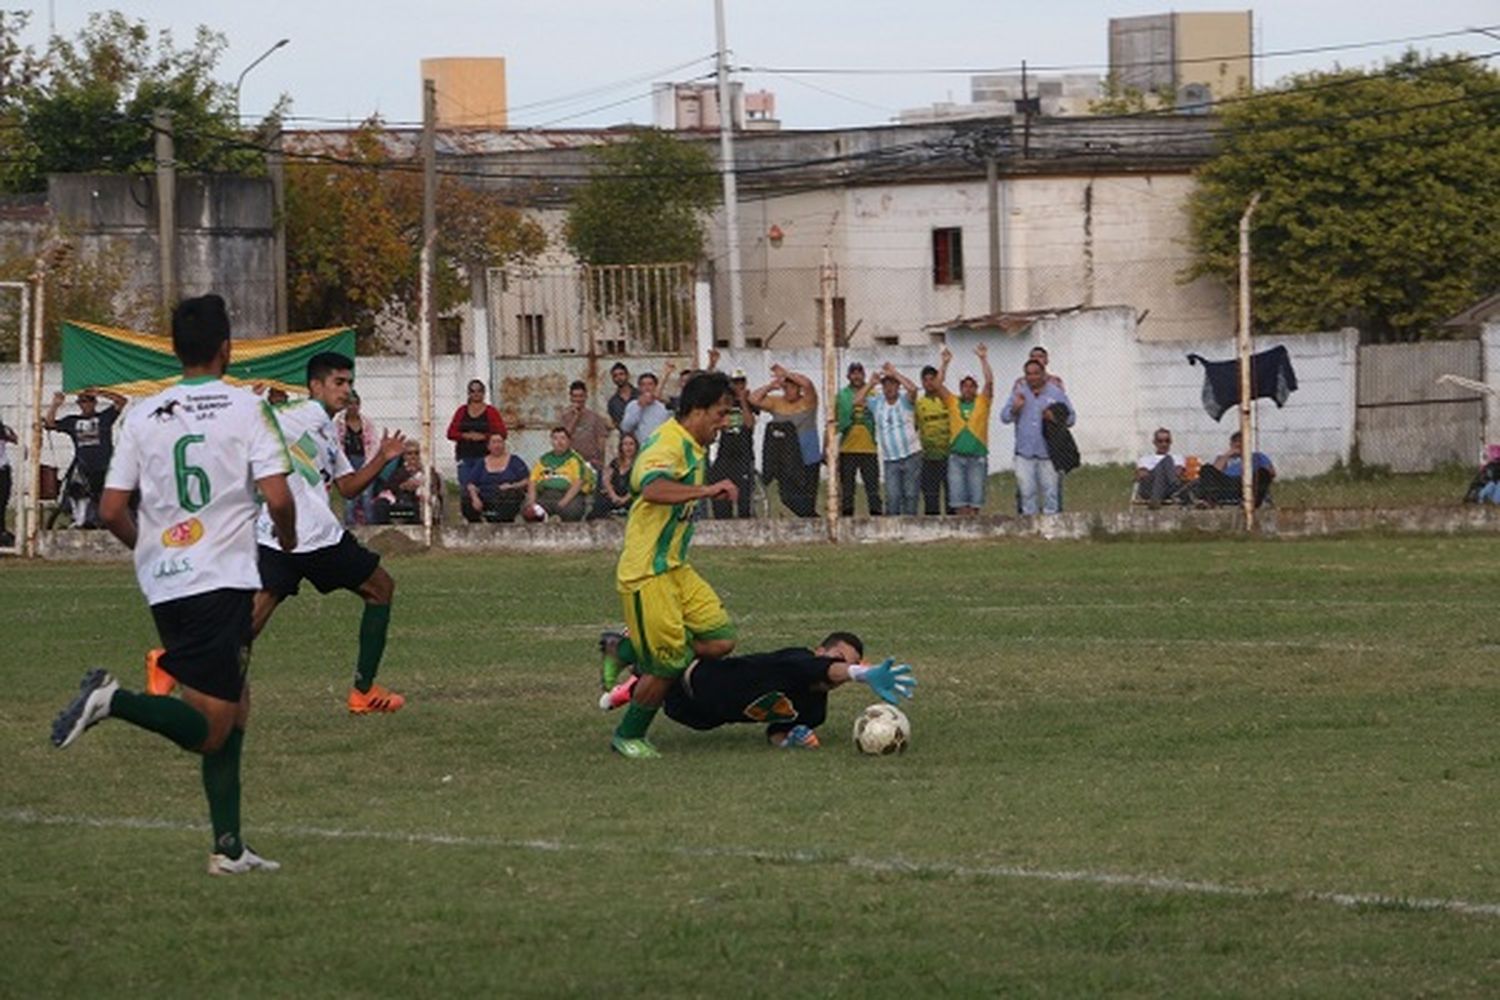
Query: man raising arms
{"points": [[198, 452], [673, 614]]}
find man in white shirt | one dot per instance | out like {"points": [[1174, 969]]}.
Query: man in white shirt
{"points": [[645, 413], [1158, 475], [327, 556], [198, 453]]}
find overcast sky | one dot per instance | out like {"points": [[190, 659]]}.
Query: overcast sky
{"points": [[591, 62]]}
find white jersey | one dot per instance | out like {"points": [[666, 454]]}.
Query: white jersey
{"points": [[195, 452], [317, 460]]}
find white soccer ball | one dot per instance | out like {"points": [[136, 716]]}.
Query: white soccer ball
{"points": [[882, 729]]}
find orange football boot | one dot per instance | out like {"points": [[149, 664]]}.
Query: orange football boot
{"points": [[377, 699]]}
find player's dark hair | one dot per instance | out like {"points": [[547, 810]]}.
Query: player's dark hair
{"points": [[199, 328], [702, 391], [928, 370], [848, 637], [325, 363], [578, 384]]}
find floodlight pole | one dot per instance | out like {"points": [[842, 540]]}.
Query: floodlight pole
{"points": [[1242, 335], [731, 192]]}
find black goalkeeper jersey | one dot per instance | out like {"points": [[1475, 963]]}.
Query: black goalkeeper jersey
{"points": [[774, 689]]}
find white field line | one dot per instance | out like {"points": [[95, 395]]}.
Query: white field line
{"points": [[893, 866]]}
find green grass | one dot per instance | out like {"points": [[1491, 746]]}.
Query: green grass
{"points": [[1290, 719]]}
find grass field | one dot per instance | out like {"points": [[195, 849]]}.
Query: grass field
{"points": [[1168, 768]]}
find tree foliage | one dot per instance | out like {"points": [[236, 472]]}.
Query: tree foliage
{"points": [[86, 104], [354, 237], [644, 203], [1378, 197]]}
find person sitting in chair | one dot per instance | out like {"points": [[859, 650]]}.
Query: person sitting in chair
{"points": [[1159, 475], [1219, 483]]}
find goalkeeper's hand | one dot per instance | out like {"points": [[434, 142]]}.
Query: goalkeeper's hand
{"points": [[890, 680]]}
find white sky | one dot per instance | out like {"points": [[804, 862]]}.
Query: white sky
{"points": [[348, 58]]}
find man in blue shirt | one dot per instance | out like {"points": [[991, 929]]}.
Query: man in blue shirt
{"points": [[1028, 408], [1221, 482]]}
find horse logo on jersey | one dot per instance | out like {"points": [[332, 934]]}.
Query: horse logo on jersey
{"points": [[183, 534], [164, 412]]}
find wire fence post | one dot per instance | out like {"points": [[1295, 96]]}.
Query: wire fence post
{"points": [[830, 392], [34, 449], [429, 300], [1247, 409]]}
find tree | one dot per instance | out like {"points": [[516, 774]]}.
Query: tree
{"points": [[1378, 197], [86, 104], [354, 236], [644, 203]]}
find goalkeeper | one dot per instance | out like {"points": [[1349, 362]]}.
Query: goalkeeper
{"points": [[786, 691]]}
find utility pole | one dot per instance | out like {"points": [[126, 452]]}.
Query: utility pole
{"points": [[830, 392], [992, 186], [1247, 411], [731, 192], [276, 168], [428, 295], [166, 206]]}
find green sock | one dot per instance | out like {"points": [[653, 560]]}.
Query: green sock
{"points": [[636, 721], [176, 720], [372, 629], [626, 652], [221, 783]]}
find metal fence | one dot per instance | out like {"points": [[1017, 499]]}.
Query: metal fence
{"points": [[616, 309]]}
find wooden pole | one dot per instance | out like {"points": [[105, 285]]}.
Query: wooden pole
{"points": [[1247, 411], [34, 458], [166, 207], [429, 297], [830, 393]]}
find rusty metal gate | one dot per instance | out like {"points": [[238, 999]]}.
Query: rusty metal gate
{"points": [[1409, 421]]}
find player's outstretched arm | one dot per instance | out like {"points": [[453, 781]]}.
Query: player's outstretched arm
{"points": [[282, 508], [891, 681]]}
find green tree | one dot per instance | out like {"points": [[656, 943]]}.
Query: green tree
{"points": [[644, 203], [86, 104], [1378, 197], [354, 237]]}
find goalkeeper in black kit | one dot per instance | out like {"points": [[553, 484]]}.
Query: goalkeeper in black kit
{"points": [[786, 690]]}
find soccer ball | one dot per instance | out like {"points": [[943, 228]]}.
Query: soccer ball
{"points": [[535, 513], [882, 729]]}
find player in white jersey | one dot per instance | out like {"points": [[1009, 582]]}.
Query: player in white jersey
{"points": [[197, 453], [327, 556]]}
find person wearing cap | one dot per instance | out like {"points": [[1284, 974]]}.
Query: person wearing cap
{"points": [[92, 433], [857, 452], [968, 433], [735, 459]]}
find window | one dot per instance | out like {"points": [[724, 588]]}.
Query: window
{"points": [[948, 256], [533, 333]]}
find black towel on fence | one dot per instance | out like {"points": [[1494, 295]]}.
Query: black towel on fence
{"points": [[1271, 377]]}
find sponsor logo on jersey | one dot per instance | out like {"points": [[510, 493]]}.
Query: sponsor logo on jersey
{"points": [[164, 411], [304, 452], [183, 534]]}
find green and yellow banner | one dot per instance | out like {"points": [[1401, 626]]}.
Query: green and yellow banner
{"points": [[138, 364]]}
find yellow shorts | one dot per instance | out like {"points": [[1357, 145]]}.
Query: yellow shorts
{"points": [[666, 613]]}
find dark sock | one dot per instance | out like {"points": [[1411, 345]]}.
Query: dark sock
{"points": [[626, 651], [636, 721], [221, 783], [176, 720], [372, 629]]}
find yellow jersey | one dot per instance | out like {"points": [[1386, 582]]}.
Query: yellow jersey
{"points": [[657, 535]]}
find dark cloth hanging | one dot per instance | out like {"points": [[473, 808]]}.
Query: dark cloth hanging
{"points": [[1061, 447], [1271, 377]]}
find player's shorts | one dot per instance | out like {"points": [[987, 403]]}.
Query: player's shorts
{"points": [[668, 611], [207, 640], [345, 565]]}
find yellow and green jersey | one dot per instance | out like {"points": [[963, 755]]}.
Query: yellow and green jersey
{"points": [[657, 535], [969, 425], [932, 426], [559, 472]]}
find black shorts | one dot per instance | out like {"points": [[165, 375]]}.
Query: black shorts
{"points": [[345, 565], [207, 640]]}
